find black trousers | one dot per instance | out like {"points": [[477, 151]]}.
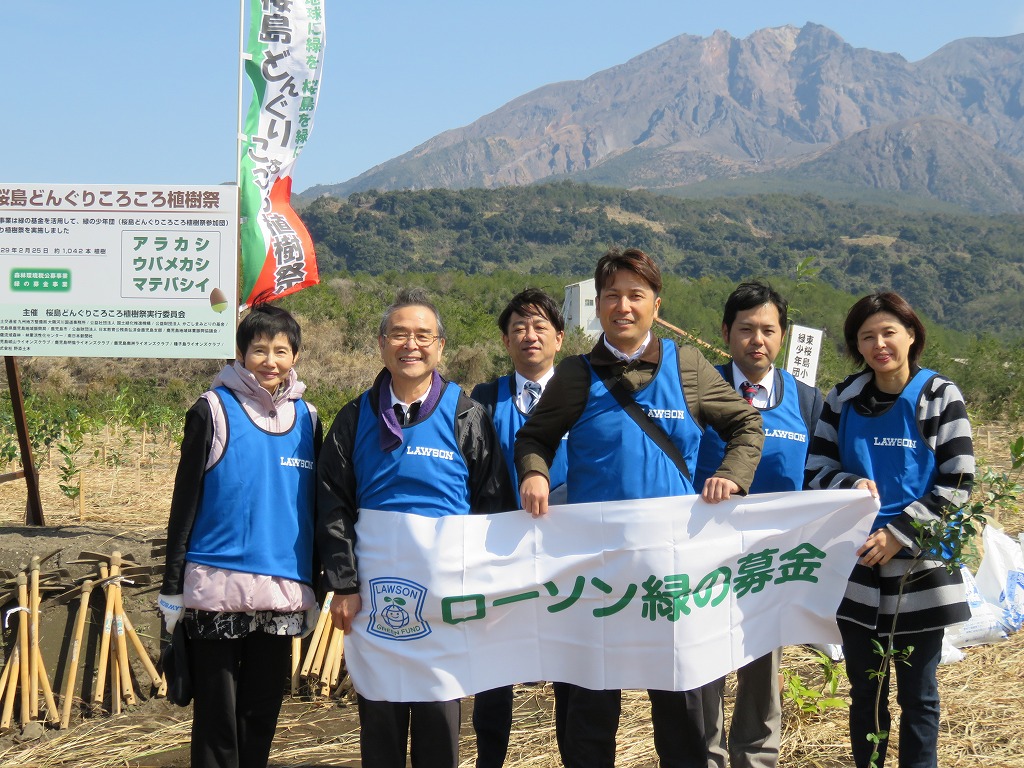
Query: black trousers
{"points": [[492, 721], [586, 722], [237, 689], [917, 693], [385, 728]]}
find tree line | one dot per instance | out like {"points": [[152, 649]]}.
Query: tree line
{"points": [[964, 271]]}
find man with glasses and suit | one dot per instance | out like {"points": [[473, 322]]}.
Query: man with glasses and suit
{"points": [[369, 461]]}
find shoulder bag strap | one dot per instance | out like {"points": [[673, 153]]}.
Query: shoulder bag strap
{"points": [[650, 428]]}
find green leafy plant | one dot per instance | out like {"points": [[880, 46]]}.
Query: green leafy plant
{"points": [[69, 469], [815, 701], [953, 539]]}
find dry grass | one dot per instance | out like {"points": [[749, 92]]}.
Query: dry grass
{"points": [[981, 727], [982, 696]]}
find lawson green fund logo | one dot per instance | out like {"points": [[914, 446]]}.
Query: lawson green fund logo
{"points": [[46, 280], [396, 609]]}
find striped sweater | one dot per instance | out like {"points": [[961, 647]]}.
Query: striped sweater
{"points": [[932, 597]]}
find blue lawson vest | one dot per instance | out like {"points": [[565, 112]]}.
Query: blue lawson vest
{"points": [[507, 421], [612, 459], [786, 440], [888, 449], [426, 475], [256, 511]]}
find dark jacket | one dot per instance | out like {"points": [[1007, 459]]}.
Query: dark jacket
{"points": [[710, 400], [490, 489]]}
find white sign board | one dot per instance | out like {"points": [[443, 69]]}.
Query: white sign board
{"points": [[804, 348], [119, 270]]}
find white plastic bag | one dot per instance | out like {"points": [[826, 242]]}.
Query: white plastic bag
{"points": [[950, 653], [986, 622], [1000, 577]]}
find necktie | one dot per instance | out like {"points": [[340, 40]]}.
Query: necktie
{"points": [[531, 394], [748, 391]]}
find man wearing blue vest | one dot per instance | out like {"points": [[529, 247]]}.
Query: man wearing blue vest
{"points": [[634, 409], [754, 325], [532, 330], [412, 443]]}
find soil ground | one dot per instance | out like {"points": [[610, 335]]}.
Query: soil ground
{"points": [[125, 506]]}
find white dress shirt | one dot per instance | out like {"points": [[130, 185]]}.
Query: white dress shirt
{"points": [[521, 383], [765, 396]]}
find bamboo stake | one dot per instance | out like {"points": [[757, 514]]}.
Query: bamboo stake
{"points": [[81, 496], [12, 686], [5, 676], [33, 637], [44, 682], [333, 658], [295, 660], [340, 655], [314, 641], [76, 649], [140, 649], [108, 622], [23, 621], [321, 651], [121, 642], [115, 685]]}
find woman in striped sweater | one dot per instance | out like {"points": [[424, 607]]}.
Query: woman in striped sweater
{"points": [[900, 431]]}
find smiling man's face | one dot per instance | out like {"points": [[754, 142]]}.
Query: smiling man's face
{"points": [[411, 362], [627, 307]]}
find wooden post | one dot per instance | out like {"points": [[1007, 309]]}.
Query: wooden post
{"points": [[690, 337], [81, 496], [34, 506]]}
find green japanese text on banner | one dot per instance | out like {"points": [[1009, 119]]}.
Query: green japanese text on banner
{"points": [[286, 46]]}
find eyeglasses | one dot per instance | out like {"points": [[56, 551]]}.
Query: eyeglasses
{"points": [[400, 338]]}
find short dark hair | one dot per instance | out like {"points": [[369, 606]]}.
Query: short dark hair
{"points": [[895, 305], [632, 260], [751, 295], [266, 321], [532, 299], [411, 297]]}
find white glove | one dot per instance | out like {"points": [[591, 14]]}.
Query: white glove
{"points": [[171, 607]]}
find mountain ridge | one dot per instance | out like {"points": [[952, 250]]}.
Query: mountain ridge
{"points": [[704, 108]]}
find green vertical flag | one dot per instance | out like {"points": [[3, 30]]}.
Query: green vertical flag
{"points": [[286, 48]]}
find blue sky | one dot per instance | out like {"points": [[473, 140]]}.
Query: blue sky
{"points": [[136, 91]]}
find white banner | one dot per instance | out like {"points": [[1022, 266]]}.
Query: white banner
{"points": [[657, 593]]}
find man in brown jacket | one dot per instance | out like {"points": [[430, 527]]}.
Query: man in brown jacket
{"points": [[634, 410]]}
